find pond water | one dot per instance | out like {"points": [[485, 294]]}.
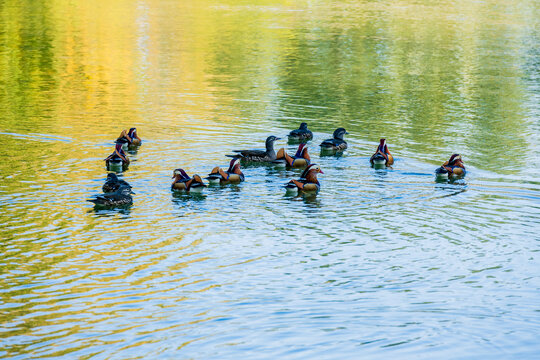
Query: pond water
{"points": [[379, 263]]}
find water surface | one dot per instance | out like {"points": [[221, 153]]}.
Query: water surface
{"points": [[380, 263]]}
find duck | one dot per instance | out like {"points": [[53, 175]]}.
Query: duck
{"points": [[454, 167], [337, 143], [120, 197], [382, 155], [131, 136], [308, 180], [232, 175], [300, 160], [267, 155], [183, 182], [113, 183], [118, 157], [134, 139], [301, 134]]}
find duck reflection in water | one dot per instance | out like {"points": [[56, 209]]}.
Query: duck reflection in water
{"points": [[451, 188]]}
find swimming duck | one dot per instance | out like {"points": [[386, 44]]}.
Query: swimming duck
{"points": [[337, 143], [299, 160], [183, 182], [301, 134], [113, 183], [382, 155], [451, 168], [132, 138], [121, 197], [135, 139], [118, 157], [267, 155], [308, 180], [232, 175]]}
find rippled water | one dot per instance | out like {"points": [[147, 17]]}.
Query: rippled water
{"points": [[380, 263]]}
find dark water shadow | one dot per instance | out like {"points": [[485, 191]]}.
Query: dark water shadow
{"points": [[108, 211], [452, 187], [182, 196], [331, 153], [133, 150], [118, 169]]}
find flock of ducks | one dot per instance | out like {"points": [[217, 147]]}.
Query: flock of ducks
{"points": [[117, 192]]}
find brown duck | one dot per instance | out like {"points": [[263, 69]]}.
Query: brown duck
{"points": [[382, 155], [232, 175], [454, 167], [300, 160], [308, 180], [183, 182], [118, 157]]}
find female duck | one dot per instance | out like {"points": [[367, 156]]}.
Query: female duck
{"points": [[113, 183], [182, 182], [300, 160], [382, 155], [232, 175], [118, 157], [267, 155], [121, 197], [308, 180], [452, 168], [337, 143], [301, 134]]}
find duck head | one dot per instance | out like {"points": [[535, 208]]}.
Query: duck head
{"points": [[455, 160], [382, 146], [120, 143], [339, 132], [234, 166], [111, 177], [180, 174], [303, 126], [132, 132], [312, 169], [302, 152], [270, 142]]}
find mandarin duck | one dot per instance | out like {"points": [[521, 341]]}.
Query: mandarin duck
{"points": [[183, 182], [451, 168], [382, 155], [308, 180], [300, 160], [118, 157]]}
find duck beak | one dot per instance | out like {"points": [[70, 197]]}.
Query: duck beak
{"points": [[322, 172]]}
